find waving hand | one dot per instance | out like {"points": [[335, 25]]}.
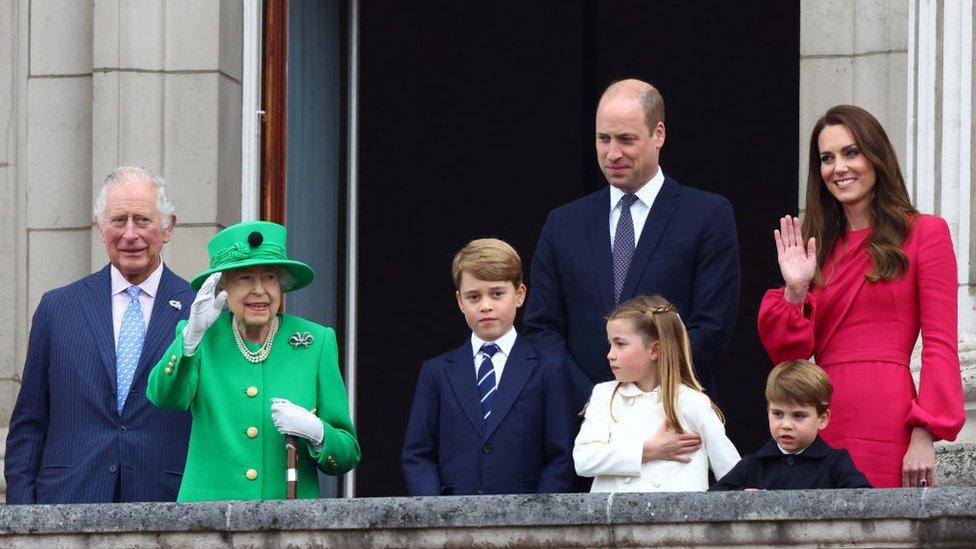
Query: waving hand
{"points": [[797, 262], [204, 311]]}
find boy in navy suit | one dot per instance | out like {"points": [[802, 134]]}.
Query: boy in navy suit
{"points": [[798, 393], [494, 416]]}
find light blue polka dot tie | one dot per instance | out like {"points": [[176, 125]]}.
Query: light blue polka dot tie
{"points": [[131, 336]]}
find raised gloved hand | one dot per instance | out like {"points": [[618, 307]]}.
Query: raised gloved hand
{"points": [[292, 419], [204, 311]]}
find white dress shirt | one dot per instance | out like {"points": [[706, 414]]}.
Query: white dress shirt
{"points": [[788, 453], [505, 344], [120, 298], [639, 209], [610, 449]]}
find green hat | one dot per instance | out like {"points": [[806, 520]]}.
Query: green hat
{"points": [[253, 243]]}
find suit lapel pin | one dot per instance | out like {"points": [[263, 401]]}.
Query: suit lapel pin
{"points": [[176, 305], [301, 339]]}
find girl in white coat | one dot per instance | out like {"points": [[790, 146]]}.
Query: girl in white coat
{"points": [[653, 429]]}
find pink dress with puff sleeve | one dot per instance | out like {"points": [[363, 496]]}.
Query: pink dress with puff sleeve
{"points": [[862, 334]]}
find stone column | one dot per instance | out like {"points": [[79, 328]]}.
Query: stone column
{"points": [[852, 52], [45, 164], [11, 237], [939, 171], [167, 95], [939, 166]]}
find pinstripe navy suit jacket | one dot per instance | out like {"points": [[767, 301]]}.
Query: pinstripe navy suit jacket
{"points": [[67, 442]]}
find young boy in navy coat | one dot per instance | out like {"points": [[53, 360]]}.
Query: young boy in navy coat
{"points": [[495, 415], [798, 393]]}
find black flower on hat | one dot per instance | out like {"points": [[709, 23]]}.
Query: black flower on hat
{"points": [[255, 239]]}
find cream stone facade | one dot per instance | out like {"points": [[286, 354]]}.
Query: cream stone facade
{"points": [[87, 86], [853, 52]]}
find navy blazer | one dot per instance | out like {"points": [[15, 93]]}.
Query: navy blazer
{"points": [[526, 444], [688, 252], [819, 466], [67, 442]]}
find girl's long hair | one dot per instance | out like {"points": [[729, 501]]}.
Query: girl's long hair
{"points": [[655, 319], [891, 206]]}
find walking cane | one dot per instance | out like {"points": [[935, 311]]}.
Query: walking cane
{"points": [[291, 464], [291, 446]]}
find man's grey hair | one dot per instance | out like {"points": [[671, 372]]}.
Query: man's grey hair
{"points": [[134, 173]]}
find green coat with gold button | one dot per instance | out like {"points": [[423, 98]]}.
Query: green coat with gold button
{"points": [[235, 450]]}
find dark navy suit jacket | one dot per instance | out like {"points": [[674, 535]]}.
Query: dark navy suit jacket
{"points": [[688, 252], [524, 447], [819, 466], [67, 443]]}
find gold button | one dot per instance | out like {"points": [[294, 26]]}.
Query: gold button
{"points": [[252, 432], [252, 391], [251, 474], [172, 357], [168, 371]]}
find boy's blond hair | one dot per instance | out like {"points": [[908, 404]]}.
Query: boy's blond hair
{"points": [[800, 382], [488, 259]]}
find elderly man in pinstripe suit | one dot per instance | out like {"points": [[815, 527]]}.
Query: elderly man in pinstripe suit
{"points": [[82, 430]]}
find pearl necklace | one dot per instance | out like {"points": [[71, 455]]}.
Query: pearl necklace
{"points": [[255, 357]]}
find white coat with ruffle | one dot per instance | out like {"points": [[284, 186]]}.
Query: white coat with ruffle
{"points": [[610, 449]]}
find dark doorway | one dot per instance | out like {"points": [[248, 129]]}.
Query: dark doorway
{"points": [[477, 119]]}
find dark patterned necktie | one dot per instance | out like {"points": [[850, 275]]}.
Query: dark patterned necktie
{"points": [[623, 245]]}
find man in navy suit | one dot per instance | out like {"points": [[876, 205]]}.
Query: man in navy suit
{"points": [[644, 234], [82, 430], [493, 416]]}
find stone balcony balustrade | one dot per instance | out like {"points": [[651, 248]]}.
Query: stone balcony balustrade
{"points": [[931, 517]]}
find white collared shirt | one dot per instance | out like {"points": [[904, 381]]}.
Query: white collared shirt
{"points": [[120, 298], [505, 344], [639, 209], [786, 453]]}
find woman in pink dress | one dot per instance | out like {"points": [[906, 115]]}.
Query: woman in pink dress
{"points": [[863, 275]]}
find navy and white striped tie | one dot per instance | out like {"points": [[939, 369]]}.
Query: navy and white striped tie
{"points": [[486, 379]]}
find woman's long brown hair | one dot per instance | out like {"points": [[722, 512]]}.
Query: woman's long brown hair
{"points": [[655, 319], [891, 207]]}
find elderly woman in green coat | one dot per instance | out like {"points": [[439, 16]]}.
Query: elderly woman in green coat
{"points": [[250, 376]]}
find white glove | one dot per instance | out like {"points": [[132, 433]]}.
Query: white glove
{"points": [[292, 419], [204, 311]]}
